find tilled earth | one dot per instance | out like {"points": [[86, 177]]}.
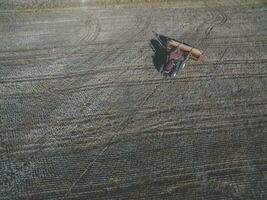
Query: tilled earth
{"points": [[85, 114]]}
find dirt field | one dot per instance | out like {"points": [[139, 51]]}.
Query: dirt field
{"points": [[84, 114]]}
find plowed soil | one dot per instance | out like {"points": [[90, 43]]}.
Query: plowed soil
{"points": [[84, 114]]}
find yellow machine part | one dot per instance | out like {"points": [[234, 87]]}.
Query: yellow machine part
{"points": [[194, 52]]}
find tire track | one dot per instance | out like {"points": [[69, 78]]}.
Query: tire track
{"points": [[204, 123], [123, 124], [185, 180], [137, 111], [145, 49], [104, 149], [119, 68], [208, 31], [150, 109], [43, 56], [43, 139], [114, 84], [183, 175]]}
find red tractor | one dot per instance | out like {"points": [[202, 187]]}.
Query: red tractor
{"points": [[177, 55]]}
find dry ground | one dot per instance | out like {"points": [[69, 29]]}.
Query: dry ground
{"points": [[85, 114]]}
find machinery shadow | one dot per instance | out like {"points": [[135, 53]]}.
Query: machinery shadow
{"points": [[160, 54]]}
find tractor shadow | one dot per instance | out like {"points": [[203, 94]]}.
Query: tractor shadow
{"points": [[160, 54]]}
